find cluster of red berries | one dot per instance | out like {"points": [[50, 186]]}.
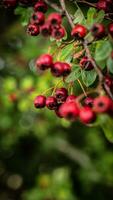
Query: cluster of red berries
{"points": [[66, 106], [52, 26], [58, 69], [106, 5]]}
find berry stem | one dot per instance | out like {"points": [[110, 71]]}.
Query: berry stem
{"points": [[85, 94], [54, 6]]}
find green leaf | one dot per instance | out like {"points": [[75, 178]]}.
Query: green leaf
{"points": [[75, 74], [78, 17], [103, 50], [110, 64], [89, 77], [66, 52], [100, 16], [24, 13], [106, 123]]}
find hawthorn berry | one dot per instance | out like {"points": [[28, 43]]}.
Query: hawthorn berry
{"points": [[40, 6], [102, 5], [57, 69], [86, 64], [86, 115], [58, 33], [71, 98], [98, 31], [33, 30], [109, 81], [79, 31], [44, 62], [55, 19], [110, 29], [45, 29], [69, 110], [61, 94], [9, 3], [51, 103], [40, 101], [102, 104], [66, 69], [88, 101], [38, 18]]}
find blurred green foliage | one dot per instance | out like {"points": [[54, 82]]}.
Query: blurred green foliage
{"points": [[43, 157]]}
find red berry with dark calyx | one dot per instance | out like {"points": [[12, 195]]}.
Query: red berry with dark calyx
{"points": [[61, 94], [69, 110], [88, 101], [55, 19], [45, 29], [51, 103], [79, 31], [102, 5], [9, 3], [86, 64], [38, 18], [109, 81], [33, 30], [71, 98], [110, 29], [58, 33], [87, 115], [57, 69], [40, 6], [44, 62], [102, 104], [98, 31], [66, 69], [40, 101]]}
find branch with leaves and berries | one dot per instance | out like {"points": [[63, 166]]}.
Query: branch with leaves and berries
{"points": [[81, 52]]}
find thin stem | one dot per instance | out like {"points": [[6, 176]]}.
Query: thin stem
{"points": [[86, 2], [54, 6], [84, 92]]}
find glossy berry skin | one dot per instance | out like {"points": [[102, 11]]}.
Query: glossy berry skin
{"points": [[88, 101], [44, 62], [40, 101], [38, 18], [55, 19], [61, 94], [86, 115], [102, 104], [40, 6], [98, 31], [58, 33], [57, 69], [9, 3], [102, 5], [109, 81], [79, 31], [66, 69], [51, 103], [71, 98], [69, 110], [110, 29], [86, 64], [45, 30], [33, 30]]}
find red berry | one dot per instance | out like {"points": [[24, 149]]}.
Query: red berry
{"points": [[40, 101], [57, 69], [61, 94], [40, 6], [71, 98], [51, 103], [98, 31], [102, 5], [44, 62], [110, 29], [69, 110], [79, 31], [45, 30], [55, 19], [102, 104], [109, 81], [38, 18], [9, 3], [33, 30], [86, 64], [58, 33], [88, 101], [66, 69], [86, 115], [13, 97]]}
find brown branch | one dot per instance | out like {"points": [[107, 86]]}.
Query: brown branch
{"points": [[54, 6]]}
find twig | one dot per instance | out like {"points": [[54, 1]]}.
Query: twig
{"points": [[54, 6]]}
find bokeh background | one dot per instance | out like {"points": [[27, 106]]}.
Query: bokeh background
{"points": [[43, 157]]}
